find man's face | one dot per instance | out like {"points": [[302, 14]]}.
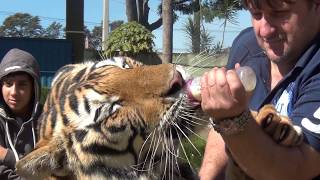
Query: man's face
{"points": [[17, 91], [285, 30]]}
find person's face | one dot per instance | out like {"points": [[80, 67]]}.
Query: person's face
{"points": [[285, 30], [17, 91]]}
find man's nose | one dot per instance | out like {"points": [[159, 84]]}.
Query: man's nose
{"points": [[267, 28]]}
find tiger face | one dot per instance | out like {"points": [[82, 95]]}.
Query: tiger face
{"points": [[113, 119]]}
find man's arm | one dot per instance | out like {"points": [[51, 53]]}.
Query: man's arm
{"points": [[262, 158], [223, 96], [215, 158]]}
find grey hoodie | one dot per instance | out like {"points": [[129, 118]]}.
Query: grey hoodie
{"points": [[18, 138]]}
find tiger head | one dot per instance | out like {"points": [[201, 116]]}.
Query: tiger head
{"points": [[113, 119]]}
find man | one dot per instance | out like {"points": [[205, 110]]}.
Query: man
{"points": [[288, 31], [19, 109]]}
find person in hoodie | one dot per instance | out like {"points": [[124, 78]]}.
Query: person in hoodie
{"points": [[19, 109]]}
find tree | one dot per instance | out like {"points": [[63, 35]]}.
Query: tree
{"points": [[21, 25], [95, 38], [115, 24], [191, 32], [206, 40], [138, 10], [129, 39], [209, 10], [167, 30], [196, 20], [222, 9], [53, 31]]}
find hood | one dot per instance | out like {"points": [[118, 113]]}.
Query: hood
{"points": [[17, 60]]}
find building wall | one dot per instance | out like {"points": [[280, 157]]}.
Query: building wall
{"points": [[51, 54]]}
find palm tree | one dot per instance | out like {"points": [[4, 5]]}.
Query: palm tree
{"points": [[206, 40], [222, 9]]}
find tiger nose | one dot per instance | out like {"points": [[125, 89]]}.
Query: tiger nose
{"points": [[176, 83]]}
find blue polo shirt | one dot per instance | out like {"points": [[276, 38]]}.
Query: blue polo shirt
{"points": [[296, 96], [246, 51]]}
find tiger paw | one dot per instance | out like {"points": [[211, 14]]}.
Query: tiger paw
{"points": [[280, 128]]}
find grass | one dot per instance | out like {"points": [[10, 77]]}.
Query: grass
{"points": [[193, 155]]}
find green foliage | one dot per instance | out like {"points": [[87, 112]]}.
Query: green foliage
{"points": [[26, 25], [53, 31], [207, 44], [193, 155], [43, 95], [21, 25], [115, 24], [221, 9], [94, 38], [130, 39], [206, 41]]}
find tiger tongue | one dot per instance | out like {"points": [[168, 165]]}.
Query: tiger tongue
{"points": [[245, 73], [193, 90]]}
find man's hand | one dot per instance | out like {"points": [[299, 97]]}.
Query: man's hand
{"points": [[223, 94]]}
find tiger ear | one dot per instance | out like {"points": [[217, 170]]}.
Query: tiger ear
{"points": [[43, 162]]}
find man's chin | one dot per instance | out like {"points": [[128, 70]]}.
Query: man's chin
{"points": [[276, 57]]}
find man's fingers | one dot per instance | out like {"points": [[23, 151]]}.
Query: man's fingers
{"points": [[236, 88]]}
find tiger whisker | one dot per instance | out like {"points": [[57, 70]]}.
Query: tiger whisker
{"points": [[196, 118], [183, 149], [190, 130], [191, 122], [149, 149], [155, 149], [165, 166], [173, 155], [201, 57], [144, 143], [177, 126], [151, 162], [178, 60]]}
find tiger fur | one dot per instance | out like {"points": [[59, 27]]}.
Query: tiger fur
{"points": [[112, 120], [279, 128], [120, 119]]}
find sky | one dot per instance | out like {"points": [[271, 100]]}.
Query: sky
{"points": [[54, 10]]}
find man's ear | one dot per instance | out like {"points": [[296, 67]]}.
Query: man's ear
{"points": [[43, 161]]}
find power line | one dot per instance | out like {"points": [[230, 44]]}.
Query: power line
{"points": [[49, 18]]}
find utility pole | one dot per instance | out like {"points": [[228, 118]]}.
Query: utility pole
{"points": [[138, 10], [74, 28], [105, 23]]}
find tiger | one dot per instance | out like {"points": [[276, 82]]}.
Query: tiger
{"points": [[113, 119], [121, 119]]}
